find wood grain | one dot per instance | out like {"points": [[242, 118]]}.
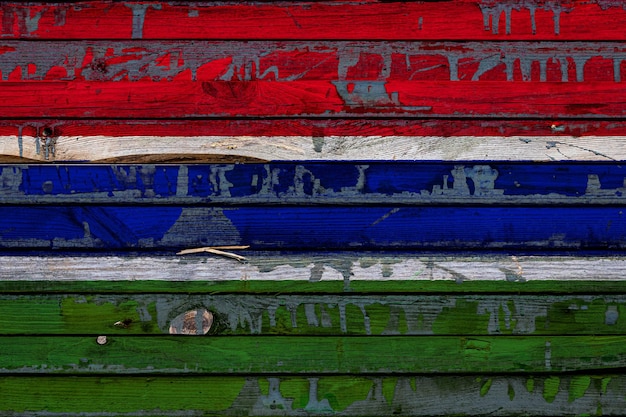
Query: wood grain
{"points": [[310, 272], [165, 146], [311, 355], [58, 99], [432, 193]]}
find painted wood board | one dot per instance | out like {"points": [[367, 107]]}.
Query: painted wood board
{"points": [[219, 99], [489, 286], [315, 314], [279, 273], [480, 20], [297, 206], [161, 144], [311, 355], [312, 227], [543, 394], [370, 183], [348, 64]]}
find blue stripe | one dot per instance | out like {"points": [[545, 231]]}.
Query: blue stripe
{"points": [[111, 227], [320, 183]]}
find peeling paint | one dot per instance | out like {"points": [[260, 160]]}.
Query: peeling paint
{"points": [[262, 60], [493, 10], [198, 224], [11, 180], [139, 16], [551, 387]]}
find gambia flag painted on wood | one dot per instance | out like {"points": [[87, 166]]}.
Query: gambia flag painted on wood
{"points": [[305, 208], [427, 125]]}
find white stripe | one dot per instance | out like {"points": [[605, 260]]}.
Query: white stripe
{"points": [[303, 267], [277, 148]]}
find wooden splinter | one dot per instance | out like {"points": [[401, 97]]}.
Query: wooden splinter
{"points": [[217, 250]]}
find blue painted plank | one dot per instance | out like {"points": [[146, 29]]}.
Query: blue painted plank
{"points": [[366, 183], [314, 227]]}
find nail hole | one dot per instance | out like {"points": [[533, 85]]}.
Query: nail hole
{"points": [[192, 322], [101, 340]]}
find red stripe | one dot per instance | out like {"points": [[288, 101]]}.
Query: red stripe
{"points": [[312, 98], [315, 127], [462, 20]]}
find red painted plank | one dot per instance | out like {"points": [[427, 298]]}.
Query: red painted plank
{"points": [[317, 127], [453, 19], [315, 60], [39, 99]]}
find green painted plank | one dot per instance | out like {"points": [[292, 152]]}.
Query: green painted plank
{"points": [[316, 314], [549, 395], [308, 354], [337, 287]]}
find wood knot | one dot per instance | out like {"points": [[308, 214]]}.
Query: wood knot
{"points": [[193, 322]]}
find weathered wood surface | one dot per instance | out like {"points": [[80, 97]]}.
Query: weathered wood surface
{"points": [[310, 206], [84, 144], [531, 338], [369, 183], [311, 355], [341, 62], [314, 79], [459, 19], [500, 395], [517, 310], [315, 139], [277, 273], [315, 315], [504, 77], [313, 227], [423, 99]]}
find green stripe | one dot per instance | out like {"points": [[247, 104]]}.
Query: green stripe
{"points": [[333, 287], [304, 354], [315, 314]]}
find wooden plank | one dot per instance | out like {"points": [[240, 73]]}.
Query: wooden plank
{"points": [[301, 272], [301, 228], [141, 99], [309, 183], [286, 314], [163, 148], [355, 62], [481, 20], [549, 395], [311, 354]]}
